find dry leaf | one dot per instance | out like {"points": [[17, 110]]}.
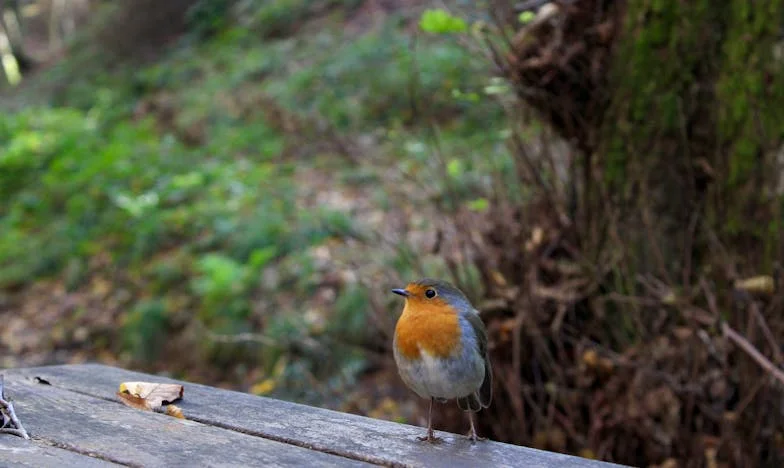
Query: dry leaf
{"points": [[134, 401], [670, 298], [682, 333], [668, 463], [710, 457], [154, 394], [498, 278], [264, 387], [591, 358], [175, 411], [606, 365], [757, 285]]}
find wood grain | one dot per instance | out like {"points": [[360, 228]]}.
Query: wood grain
{"points": [[16, 451], [113, 432], [321, 430]]}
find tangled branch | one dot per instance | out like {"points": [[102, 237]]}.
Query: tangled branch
{"points": [[11, 424]]}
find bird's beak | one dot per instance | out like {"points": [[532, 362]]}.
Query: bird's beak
{"points": [[401, 292]]}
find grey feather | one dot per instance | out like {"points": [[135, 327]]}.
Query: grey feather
{"points": [[485, 394]]}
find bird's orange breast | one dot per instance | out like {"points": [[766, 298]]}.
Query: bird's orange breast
{"points": [[433, 328]]}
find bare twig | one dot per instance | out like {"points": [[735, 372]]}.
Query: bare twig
{"points": [[710, 298], [639, 301], [242, 338], [236, 337], [9, 415], [767, 332], [749, 348], [687, 256], [744, 403], [648, 222]]}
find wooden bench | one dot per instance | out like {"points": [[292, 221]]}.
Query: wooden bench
{"points": [[77, 420]]}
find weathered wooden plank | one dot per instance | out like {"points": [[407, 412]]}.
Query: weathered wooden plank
{"points": [[114, 432], [354, 436], [34, 453]]}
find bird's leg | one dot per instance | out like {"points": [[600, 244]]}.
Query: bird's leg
{"points": [[473, 436], [431, 436]]}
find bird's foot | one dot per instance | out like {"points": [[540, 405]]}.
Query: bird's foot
{"points": [[473, 437], [431, 438]]}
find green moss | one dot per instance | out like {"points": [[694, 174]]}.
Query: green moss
{"points": [[695, 82], [654, 76], [750, 102]]}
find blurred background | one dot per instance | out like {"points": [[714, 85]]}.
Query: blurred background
{"points": [[225, 191]]}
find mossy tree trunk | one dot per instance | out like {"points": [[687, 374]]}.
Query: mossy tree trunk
{"points": [[676, 108], [690, 140], [750, 128]]}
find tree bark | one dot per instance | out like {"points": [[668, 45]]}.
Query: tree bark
{"points": [[676, 110]]}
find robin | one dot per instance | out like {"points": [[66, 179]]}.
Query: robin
{"points": [[440, 348]]}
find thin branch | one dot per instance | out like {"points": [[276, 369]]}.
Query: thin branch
{"points": [[767, 332], [744, 403], [242, 338], [749, 348], [236, 338]]}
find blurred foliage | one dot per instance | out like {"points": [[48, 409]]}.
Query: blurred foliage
{"points": [[144, 329], [441, 22], [379, 80], [206, 17], [280, 18], [76, 187], [183, 184]]}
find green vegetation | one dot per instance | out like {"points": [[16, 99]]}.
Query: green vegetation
{"points": [[189, 184]]}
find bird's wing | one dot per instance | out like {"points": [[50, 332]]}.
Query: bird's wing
{"points": [[485, 395]]}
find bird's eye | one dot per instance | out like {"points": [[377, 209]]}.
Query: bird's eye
{"points": [[430, 293]]}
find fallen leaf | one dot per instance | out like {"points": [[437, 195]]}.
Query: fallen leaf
{"points": [[670, 298], [757, 285], [710, 457], [498, 278], [175, 411], [134, 401], [606, 365], [154, 394], [668, 463], [537, 236], [590, 358], [263, 387], [683, 333]]}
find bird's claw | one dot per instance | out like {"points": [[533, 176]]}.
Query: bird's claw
{"points": [[431, 438]]}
